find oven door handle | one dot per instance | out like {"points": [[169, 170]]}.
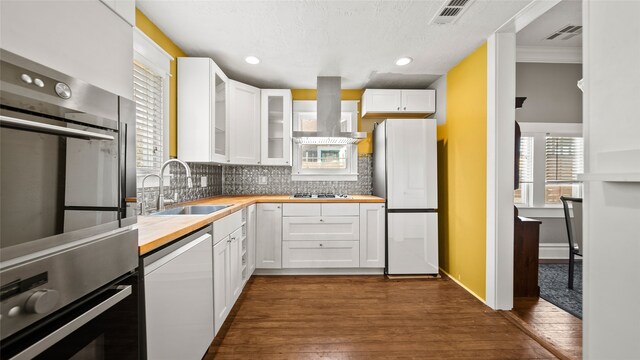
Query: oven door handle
{"points": [[12, 122], [64, 331]]}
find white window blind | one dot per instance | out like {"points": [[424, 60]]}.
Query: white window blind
{"points": [[526, 159], [564, 160], [148, 96], [524, 194]]}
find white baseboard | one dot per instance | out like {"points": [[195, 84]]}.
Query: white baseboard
{"points": [[554, 251], [354, 271]]}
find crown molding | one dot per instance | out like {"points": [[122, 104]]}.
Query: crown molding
{"points": [[549, 54]]}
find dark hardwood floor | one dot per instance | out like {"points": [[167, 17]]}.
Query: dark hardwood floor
{"points": [[557, 327], [366, 317]]}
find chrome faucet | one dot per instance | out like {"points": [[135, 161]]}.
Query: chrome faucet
{"points": [[143, 204], [161, 200]]}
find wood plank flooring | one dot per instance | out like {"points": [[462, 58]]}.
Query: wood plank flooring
{"points": [[559, 328], [366, 317]]}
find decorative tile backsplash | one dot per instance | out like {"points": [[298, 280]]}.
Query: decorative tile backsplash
{"points": [[178, 184], [243, 180]]}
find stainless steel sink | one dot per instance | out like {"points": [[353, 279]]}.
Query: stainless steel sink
{"points": [[191, 210]]}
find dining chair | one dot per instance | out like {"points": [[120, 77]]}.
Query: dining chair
{"points": [[574, 230]]}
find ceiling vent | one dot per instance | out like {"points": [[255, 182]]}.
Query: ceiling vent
{"points": [[565, 33], [450, 11]]}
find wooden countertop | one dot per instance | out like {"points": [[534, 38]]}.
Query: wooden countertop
{"points": [[156, 231]]}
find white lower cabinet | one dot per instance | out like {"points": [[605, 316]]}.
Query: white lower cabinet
{"points": [[372, 235], [321, 228], [320, 254], [269, 240], [235, 264], [221, 282], [178, 298], [229, 273], [251, 239]]}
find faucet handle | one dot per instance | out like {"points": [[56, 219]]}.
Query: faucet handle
{"points": [[189, 182]]}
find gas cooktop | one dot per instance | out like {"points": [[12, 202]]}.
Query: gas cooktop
{"points": [[319, 196]]}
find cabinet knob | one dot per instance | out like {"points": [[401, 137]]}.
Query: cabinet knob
{"points": [[398, 107], [321, 220], [258, 162], [320, 245], [228, 160], [405, 108]]}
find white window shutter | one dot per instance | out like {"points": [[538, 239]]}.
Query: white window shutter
{"points": [[149, 98]]}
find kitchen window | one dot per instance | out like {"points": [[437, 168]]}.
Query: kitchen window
{"points": [[324, 162], [551, 157], [151, 74]]}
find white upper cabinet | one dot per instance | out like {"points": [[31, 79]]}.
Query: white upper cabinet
{"points": [[244, 124], [382, 100], [126, 9], [276, 127], [82, 39], [383, 103], [420, 101], [202, 111]]}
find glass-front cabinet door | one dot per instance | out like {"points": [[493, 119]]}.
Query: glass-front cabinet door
{"points": [[219, 95], [276, 127]]}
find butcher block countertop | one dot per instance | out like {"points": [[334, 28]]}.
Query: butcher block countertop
{"points": [[156, 231]]}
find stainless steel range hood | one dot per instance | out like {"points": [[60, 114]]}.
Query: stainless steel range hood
{"points": [[329, 114]]}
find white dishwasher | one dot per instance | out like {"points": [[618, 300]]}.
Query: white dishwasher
{"points": [[178, 282]]}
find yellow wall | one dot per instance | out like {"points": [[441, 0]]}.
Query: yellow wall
{"points": [[151, 30], [365, 146], [462, 164]]}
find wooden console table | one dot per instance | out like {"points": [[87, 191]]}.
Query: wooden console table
{"points": [[525, 257]]}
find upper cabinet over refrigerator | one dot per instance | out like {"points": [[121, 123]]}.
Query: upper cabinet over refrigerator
{"points": [[202, 111], [392, 103], [411, 160], [276, 127]]}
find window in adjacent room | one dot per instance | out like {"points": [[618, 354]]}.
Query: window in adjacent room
{"points": [[524, 195], [564, 160]]}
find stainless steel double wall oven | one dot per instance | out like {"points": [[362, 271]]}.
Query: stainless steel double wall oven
{"points": [[69, 258]]}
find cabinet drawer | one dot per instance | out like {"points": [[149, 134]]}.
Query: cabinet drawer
{"points": [[289, 209], [225, 226], [341, 209], [321, 228], [320, 254]]}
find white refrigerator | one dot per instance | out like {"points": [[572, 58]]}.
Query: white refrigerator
{"points": [[405, 173]]}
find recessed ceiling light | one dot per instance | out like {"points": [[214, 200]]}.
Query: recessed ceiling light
{"points": [[403, 61], [252, 60]]}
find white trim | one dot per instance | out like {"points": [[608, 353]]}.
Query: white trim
{"points": [[527, 15], [339, 271], [574, 129], [150, 54], [501, 90], [155, 55], [553, 251], [549, 54], [501, 63], [463, 286], [333, 177], [541, 212]]}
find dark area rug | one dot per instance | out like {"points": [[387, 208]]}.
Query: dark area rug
{"points": [[553, 280]]}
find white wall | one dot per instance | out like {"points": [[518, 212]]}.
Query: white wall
{"points": [[83, 39], [612, 209], [440, 87]]}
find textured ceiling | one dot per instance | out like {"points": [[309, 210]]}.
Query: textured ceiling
{"points": [[567, 12], [299, 40]]}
